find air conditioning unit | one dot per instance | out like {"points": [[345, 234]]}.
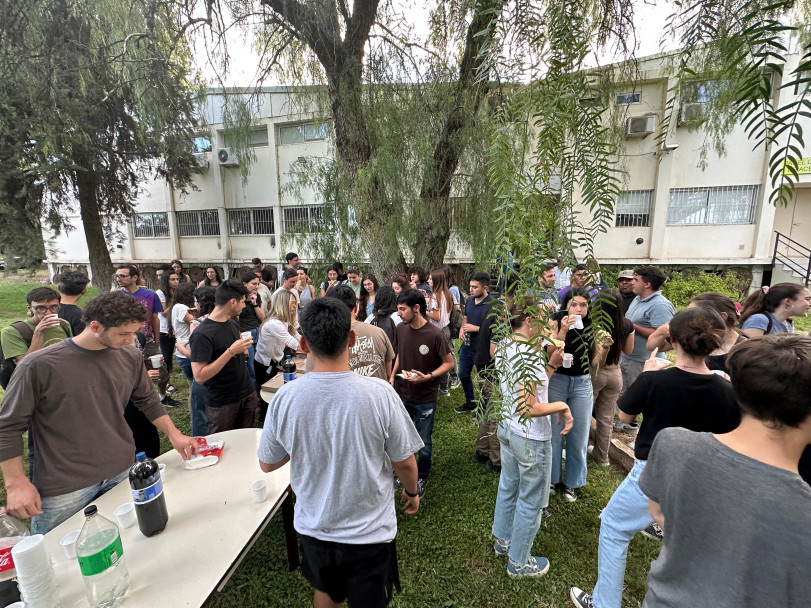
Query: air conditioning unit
{"points": [[640, 126], [690, 113], [200, 159], [226, 158]]}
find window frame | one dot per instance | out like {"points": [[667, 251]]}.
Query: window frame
{"points": [[181, 225], [252, 213], [708, 210], [312, 224], [629, 223], [302, 128], [152, 215]]}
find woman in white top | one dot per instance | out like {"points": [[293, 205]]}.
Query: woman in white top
{"points": [[179, 319], [277, 338], [525, 435], [169, 282], [439, 314]]}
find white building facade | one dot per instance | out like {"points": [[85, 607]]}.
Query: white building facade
{"points": [[671, 212]]}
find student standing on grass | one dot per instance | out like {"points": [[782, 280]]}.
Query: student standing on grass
{"points": [[71, 399], [218, 361], [686, 395], [770, 310], [355, 431], [423, 352], [475, 307], [526, 448], [72, 285], [734, 510]]}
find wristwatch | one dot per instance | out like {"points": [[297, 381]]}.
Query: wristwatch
{"points": [[431, 374], [409, 494]]}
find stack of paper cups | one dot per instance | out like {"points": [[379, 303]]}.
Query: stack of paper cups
{"points": [[35, 576]]}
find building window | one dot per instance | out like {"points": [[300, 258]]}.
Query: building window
{"points": [[250, 221], [198, 223], [627, 98], [802, 84], [303, 219], [633, 208], [256, 138], [302, 133], [201, 143], [150, 225], [715, 206]]}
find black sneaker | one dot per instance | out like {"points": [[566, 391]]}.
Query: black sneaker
{"points": [[397, 484], [479, 458], [467, 407], [421, 483], [654, 531], [169, 402], [569, 495], [580, 598], [492, 468]]}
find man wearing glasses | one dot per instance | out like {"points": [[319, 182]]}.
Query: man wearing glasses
{"points": [[42, 327]]}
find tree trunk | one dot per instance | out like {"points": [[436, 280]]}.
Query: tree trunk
{"points": [[101, 266]]}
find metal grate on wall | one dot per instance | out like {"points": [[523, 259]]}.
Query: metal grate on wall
{"points": [[250, 221], [198, 223], [150, 225], [723, 205], [633, 208], [303, 219]]}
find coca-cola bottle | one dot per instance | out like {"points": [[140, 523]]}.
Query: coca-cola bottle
{"points": [[289, 369], [147, 494], [12, 531]]}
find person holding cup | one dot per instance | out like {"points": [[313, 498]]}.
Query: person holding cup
{"points": [[572, 385]]}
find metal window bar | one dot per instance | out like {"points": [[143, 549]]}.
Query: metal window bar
{"points": [[250, 221], [725, 205], [150, 225], [301, 219], [198, 223], [633, 209]]}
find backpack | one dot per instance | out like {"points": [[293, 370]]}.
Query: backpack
{"points": [[455, 323], [7, 366], [386, 323]]}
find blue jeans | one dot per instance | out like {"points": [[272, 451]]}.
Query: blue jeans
{"points": [[576, 392], [199, 400], [185, 364], [467, 357], [624, 515], [422, 414], [251, 356], [523, 491], [56, 509]]}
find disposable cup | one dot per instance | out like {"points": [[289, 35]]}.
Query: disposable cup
{"points": [[68, 543], [125, 514], [578, 324], [259, 489], [162, 468], [16, 605], [568, 359], [246, 335], [156, 361]]}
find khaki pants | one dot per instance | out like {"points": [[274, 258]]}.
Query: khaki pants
{"points": [[487, 443], [607, 384]]}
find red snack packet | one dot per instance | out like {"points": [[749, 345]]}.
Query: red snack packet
{"points": [[210, 448]]}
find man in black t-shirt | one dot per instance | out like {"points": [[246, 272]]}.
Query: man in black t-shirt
{"points": [[218, 361], [72, 285]]}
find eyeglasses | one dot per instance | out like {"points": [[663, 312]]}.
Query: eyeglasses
{"points": [[121, 276], [43, 309]]}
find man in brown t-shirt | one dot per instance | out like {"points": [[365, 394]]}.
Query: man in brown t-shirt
{"points": [[372, 354], [71, 397], [423, 356]]}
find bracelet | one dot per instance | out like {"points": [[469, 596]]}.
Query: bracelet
{"points": [[552, 366], [431, 374], [409, 494]]}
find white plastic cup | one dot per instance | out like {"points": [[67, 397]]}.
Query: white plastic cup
{"points": [[16, 605], [156, 361], [578, 323], [125, 514], [246, 335], [162, 468], [68, 544], [568, 359], [259, 489]]}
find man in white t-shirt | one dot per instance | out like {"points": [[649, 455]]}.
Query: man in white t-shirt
{"points": [[357, 432]]}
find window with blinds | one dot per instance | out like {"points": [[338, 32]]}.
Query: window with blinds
{"points": [[724, 205], [633, 208]]}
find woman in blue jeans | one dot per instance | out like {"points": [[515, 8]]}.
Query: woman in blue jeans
{"points": [[572, 384], [686, 395], [523, 487]]}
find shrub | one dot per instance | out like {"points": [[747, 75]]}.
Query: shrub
{"points": [[682, 286]]}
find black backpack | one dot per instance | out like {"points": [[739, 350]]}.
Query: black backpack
{"points": [[386, 323], [7, 366]]}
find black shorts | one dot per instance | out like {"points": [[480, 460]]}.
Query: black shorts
{"points": [[361, 575]]}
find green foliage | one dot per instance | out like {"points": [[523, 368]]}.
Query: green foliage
{"points": [[682, 286]]}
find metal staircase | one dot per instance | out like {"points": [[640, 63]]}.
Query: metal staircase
{"points": [[795, 257]]}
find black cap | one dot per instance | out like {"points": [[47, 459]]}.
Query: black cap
{"points": [[91, 510]]}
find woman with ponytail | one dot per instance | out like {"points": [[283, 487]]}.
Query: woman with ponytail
{"points": [[685, 395], [770, 310]]}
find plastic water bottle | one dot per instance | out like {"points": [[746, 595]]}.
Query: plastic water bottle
{"points": [[289, 369], [147, 494], [101, 560]]}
